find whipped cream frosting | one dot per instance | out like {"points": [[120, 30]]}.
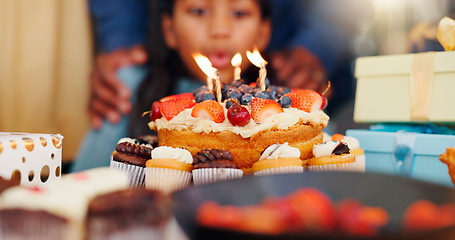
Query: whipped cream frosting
{"points": [[276, 151], [352, 142], [178, 154], [283, 120], [324, 149]]}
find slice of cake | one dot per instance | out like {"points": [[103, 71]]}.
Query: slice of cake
{"points": [[56, 210], [264, 118]]}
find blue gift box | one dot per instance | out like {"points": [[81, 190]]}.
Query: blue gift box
{"points": [[411, 151]]}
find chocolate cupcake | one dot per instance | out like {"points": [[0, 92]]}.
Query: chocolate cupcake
{"points": [[128, 214], [130, 156], [212, 165]]}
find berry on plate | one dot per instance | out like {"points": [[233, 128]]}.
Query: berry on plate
{"points": [[263, 108], [209, 109]]}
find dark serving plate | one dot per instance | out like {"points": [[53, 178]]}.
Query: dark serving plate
{"points": [[393, 193]]}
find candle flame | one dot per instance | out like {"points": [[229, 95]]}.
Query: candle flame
{"points": [[205, 65], [256, 58], [236, 60]]}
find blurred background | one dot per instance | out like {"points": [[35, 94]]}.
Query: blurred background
{"points": [[47, 51]]}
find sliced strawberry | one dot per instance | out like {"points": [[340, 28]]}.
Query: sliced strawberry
{"points": [[155, 113], [171, 108], [306, 100], [263, 108], [178, 96], [209, 109]]}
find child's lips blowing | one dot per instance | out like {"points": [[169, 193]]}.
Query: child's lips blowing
{"points": [[220, 60]]}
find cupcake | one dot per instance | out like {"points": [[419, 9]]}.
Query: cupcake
{"points": [[134, 213], [332, 156], [31, 213], [169, 169], [277, 159], [212, 165], [130, 156], [354, 149], [448, 157], [56, 210]]}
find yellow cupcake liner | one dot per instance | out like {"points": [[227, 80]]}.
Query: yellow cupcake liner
{"points": [[342, 167]]}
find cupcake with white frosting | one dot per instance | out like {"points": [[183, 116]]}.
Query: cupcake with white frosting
{"points": [[278, 159], [169, 169], [354, 147], [332, 156]]}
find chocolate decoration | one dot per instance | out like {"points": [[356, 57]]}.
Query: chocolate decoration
{"points": [[214, 158], [216, 164], [130, 159], [341, 148], [148, 139], [124, 209], [134, 150]]}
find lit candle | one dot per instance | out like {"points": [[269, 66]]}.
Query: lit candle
{"points": [[218, 85], [212, 73], [206, 66], [257, 60], [236, 61]]}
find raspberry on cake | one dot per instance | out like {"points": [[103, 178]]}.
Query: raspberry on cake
{"points": [[273, 120]]}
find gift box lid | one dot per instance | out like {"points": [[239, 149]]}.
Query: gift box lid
{"points": [[400, 64]]}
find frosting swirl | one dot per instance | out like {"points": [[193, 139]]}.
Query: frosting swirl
{"points": [[276, 151], [178, 154]]}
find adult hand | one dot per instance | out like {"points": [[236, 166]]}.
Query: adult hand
{"points": [[299, 68], [109, 97]]}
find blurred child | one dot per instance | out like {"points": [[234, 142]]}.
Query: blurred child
{"points": [[216, 29]]}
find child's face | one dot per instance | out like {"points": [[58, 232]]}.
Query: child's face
{"points": [[217, 29]]}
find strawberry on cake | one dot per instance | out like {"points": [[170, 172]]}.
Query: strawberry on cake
{"points": [[246, 122]]}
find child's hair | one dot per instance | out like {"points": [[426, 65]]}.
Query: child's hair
{"points": [[165, 66]]}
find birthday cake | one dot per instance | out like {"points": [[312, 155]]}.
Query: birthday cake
{"points": [[245, 120]]}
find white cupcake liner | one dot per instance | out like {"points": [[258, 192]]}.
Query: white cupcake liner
{"points": [[166, 180], [141, 232], [360, 163], [280, 170], [209, 175], [136, 174], [32, 227], [342, 167]]}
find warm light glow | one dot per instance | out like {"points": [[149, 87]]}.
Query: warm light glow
{"points": [[256, 58], [205, 65], [236, 60]]}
